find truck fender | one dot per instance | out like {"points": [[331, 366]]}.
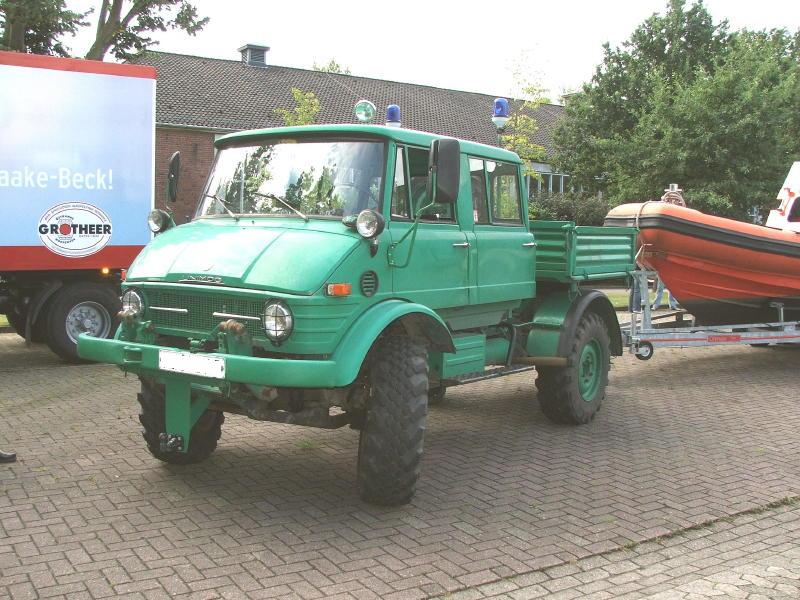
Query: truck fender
{"points": [[556, 321], [415, 319]]}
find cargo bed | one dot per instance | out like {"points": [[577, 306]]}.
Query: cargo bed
{"points": [[566, 252]]}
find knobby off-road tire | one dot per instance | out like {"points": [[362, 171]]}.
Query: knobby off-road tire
{"points": [[573, 395], [79, 308], [152, 416], [390, 443]]}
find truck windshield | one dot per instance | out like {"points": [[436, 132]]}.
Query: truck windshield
{"points": [[291, 177]]}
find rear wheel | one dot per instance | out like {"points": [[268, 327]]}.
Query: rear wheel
{"points": [[390, 443], [573, 394], [80, 308], [205, 433]]}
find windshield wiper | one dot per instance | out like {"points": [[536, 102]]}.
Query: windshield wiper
{"points": [[222, 204], [282, 201]]}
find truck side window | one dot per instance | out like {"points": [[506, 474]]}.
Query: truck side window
{"points": [[504, 193], [400, 189], [418, 172], [477, 178]]}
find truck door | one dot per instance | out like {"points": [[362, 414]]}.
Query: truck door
{"points": [[506, 250], [438, 268]]}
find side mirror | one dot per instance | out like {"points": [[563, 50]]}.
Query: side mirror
{"points": [[444, 171], [172, 176]]}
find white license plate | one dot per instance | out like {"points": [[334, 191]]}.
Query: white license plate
{"points": [[191, 364]]}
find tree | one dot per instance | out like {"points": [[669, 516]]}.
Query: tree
{"points": [[686, 101], [305, 110], [518, 134], [332, 67], [121, 26], [37, 26]]}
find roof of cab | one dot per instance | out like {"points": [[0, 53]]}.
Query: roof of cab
{"points": [[398, 134]]}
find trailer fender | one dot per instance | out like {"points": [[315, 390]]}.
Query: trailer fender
{"points": [[415, 320], [39, 300], [556, 321]]}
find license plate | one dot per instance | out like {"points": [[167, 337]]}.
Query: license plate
{"points": [[191, 364]]}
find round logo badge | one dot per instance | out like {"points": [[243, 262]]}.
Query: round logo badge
{"points": [[75, 229]]}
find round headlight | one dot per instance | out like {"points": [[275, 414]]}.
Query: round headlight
{"points": [[132, 302], [278, 321], [369, 223], [157, 220]]}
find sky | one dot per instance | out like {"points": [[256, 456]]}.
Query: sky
{"points": [[491, 48]]}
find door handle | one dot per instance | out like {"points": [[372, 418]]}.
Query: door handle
{"points": [[529, 245], [461, 245]]}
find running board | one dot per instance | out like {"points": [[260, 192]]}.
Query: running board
{"points": [[490, 374]]}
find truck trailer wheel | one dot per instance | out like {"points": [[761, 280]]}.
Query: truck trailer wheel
{"points": [[573, 394], [390, 443], [80, 308], [205, 433]]}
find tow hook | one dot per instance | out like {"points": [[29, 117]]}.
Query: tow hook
{"points": [[170, 443]]}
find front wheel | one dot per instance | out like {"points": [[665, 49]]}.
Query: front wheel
{"points": [[573, 394], [390, 443], [152, 415]]}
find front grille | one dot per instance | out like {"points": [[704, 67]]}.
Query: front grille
{"points": [[201, 308]]}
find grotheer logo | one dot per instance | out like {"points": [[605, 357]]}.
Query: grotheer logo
{"points": [[75, 229]]}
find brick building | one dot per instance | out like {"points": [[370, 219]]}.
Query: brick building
{"points": [[198, 99]]}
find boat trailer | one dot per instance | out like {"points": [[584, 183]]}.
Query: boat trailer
{"points": [[677, 329]]}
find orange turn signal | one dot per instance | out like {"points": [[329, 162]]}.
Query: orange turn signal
{"points": [[105, 270], [339, 289]]}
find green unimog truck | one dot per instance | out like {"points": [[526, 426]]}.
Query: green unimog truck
{"points": [[348, 275]]}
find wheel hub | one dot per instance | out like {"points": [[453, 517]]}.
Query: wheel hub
{"points": [[87, 317], [589, 370]]}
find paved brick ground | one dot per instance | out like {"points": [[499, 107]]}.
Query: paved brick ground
{"points": [[688, 437], [753, 556]]}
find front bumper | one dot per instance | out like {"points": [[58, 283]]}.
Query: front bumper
{"points": [[273, 372]]}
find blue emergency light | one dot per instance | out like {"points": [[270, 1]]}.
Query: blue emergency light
{"points": [[393, 115], [500, 113]]}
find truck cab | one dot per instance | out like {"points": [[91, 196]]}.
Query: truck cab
{"points": [[347, 275]]}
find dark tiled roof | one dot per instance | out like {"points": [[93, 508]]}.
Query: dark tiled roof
{"points": [[229, 95]]}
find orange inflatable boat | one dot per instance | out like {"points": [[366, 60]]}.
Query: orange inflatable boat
{"points": [[721, 270]]}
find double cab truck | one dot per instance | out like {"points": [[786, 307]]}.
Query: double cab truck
{"points": [[76, 176], [348, 275]]}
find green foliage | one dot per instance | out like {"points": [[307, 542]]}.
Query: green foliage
{"points": [[36, 26], [305, 110], [332, 67], [686, 101], [521, 127], [122, 25], [583, 208]]}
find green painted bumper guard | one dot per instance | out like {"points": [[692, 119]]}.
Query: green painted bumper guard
{"points": [[188, 396]]}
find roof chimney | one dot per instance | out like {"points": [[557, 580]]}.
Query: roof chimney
{"points": [[253, 55]]}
